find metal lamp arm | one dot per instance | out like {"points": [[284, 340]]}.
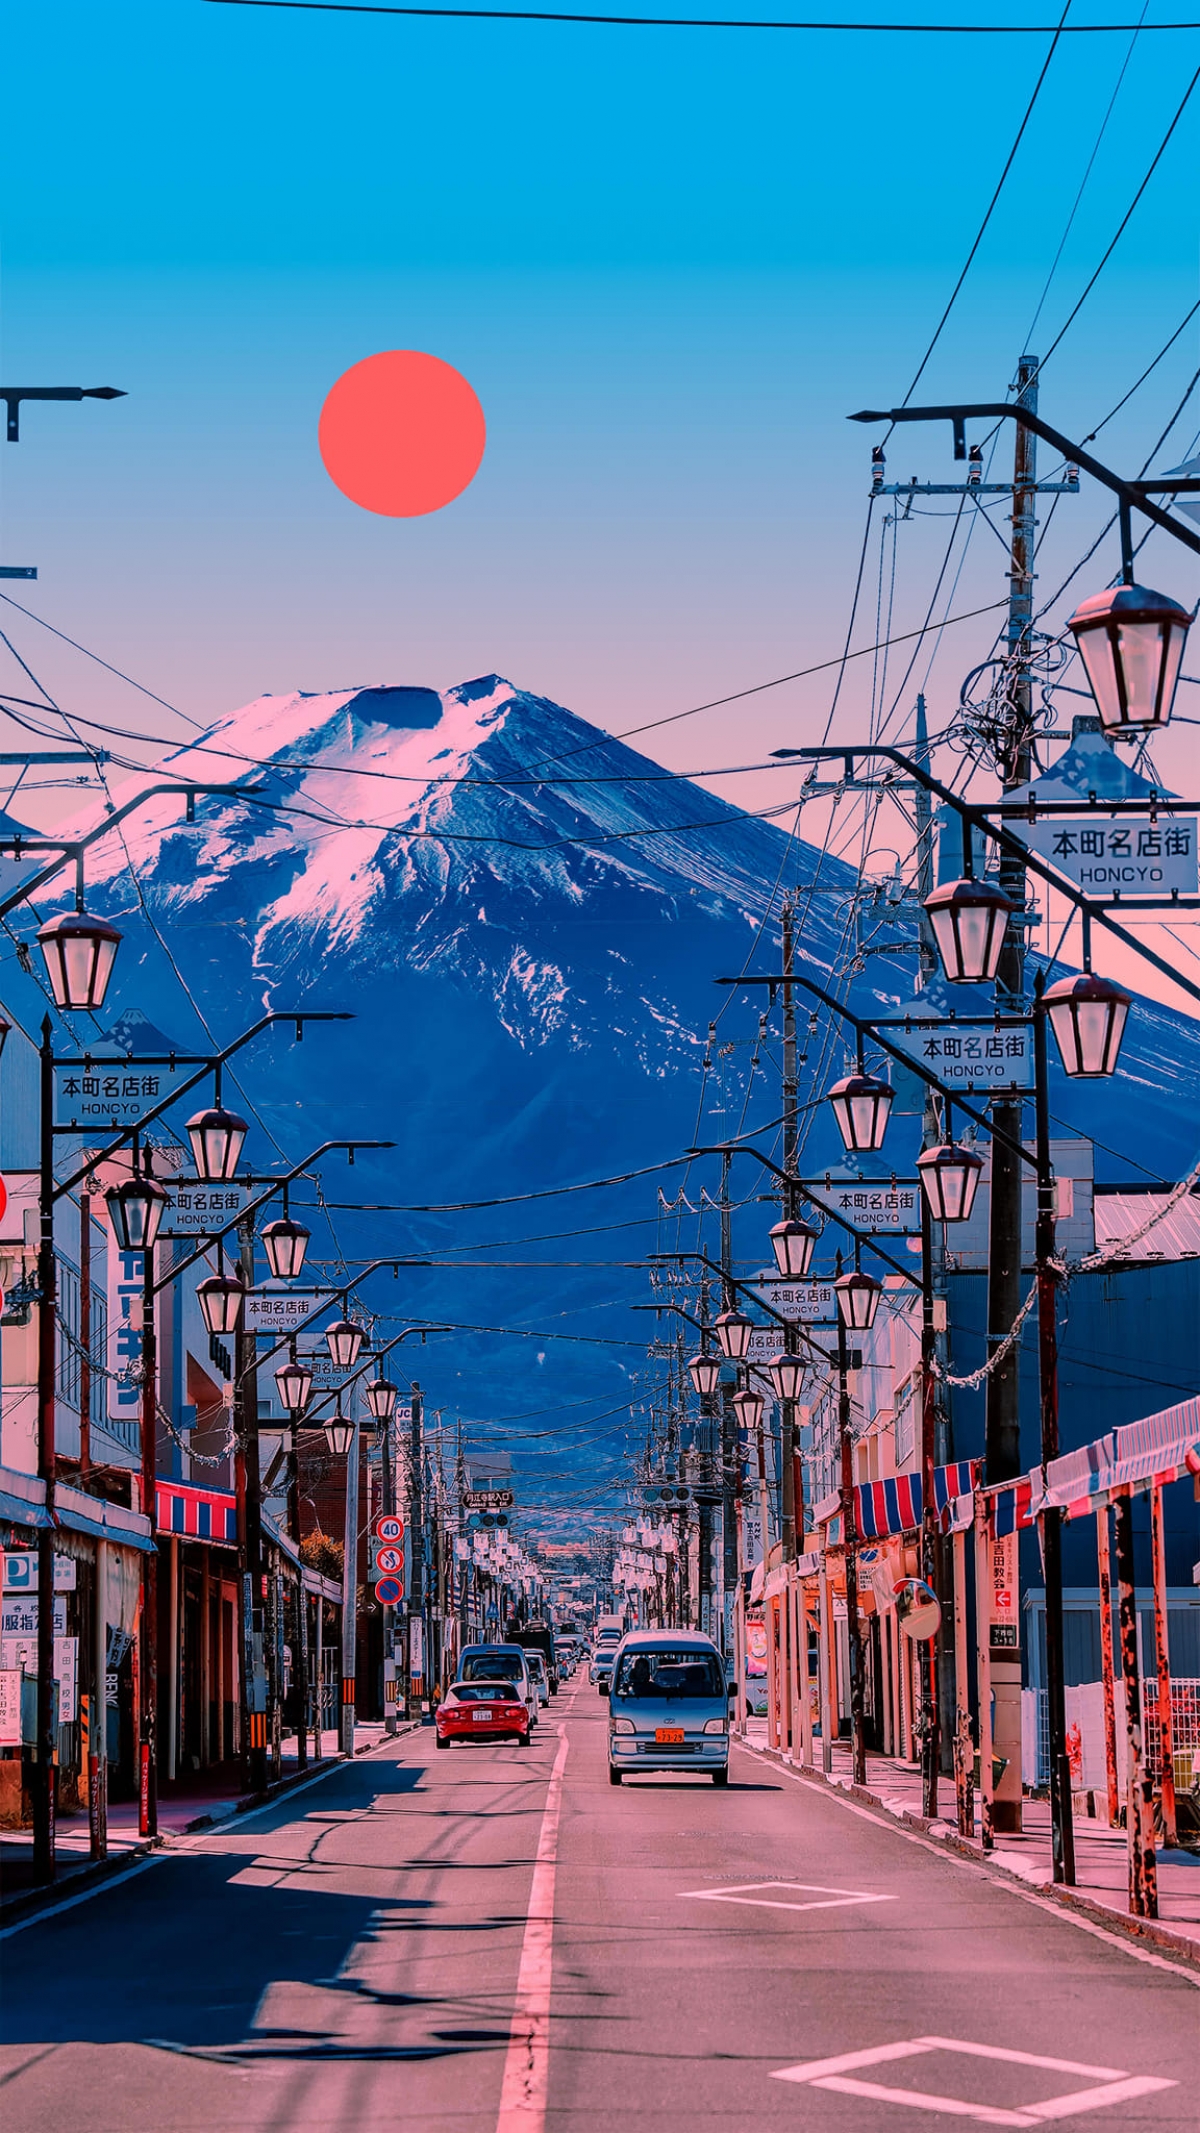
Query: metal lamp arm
{"points": [[78, 845], [860, 1236], [372, 1362], [217, 1236]]}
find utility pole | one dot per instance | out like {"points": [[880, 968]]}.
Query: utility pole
{"points": [[43, 1774], [148, 1667], [250, 1549], [350, 1593], [791, 1476], [416, 1543], [728, 1452]]}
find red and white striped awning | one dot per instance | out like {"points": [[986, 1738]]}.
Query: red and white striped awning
{"points": [[196, 1514]]}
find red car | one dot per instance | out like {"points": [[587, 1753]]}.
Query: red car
{"points": [[482, 1710]]}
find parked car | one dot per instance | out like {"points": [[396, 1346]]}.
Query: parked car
{"points": [[669, 1706], [537, 1667], [483, 1710], [500, 1662]]}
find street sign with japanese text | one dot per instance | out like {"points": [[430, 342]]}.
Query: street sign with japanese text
{"points": [[973, 1057], [108, 1092], [488, 1499], [868, 1204], [280, 1310], [197, 1210], [1126, 855], [806, 1302]]}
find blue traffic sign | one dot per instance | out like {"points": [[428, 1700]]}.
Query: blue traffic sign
{"points": [[389, 1591]]}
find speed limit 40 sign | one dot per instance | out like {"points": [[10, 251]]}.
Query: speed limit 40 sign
{"points": [[388, 1527]]}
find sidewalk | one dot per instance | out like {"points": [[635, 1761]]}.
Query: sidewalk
{"points": [[1101, 1886], [181, 1809]]}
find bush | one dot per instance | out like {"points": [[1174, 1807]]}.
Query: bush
{"points": [[320, 1552]]}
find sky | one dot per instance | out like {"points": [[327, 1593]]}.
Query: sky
{"points": [[670, 263]]}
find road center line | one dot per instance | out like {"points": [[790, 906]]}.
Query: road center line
{"points": [[525, 2086]]}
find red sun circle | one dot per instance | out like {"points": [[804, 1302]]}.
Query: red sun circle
{"points": [[402, 433]]}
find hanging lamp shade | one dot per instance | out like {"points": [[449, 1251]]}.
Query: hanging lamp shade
{"points": [[136, 1209], [79, 953], [950, 1177], [220, 1299], [293, 1383], [792, 1243], [285, 1243], [381, 1398], [1131, 643], [749, 1405], [857, 1300], [968, 919], [861, 1104], [345, 1337], [216, 1137], [705, 1372], [339, 1435], [1087, 1015], [733, 1330], [787, 1374]]}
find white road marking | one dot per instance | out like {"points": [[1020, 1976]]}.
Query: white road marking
{"points": [[1063, 1912], [836, 2074], [829, 1899], [525, 2086]]}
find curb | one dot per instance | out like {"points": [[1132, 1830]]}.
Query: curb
{"points": [[280, 1787], [1148, 1931], [77, 1881]]}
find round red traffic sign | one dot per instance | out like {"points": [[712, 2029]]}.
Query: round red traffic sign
{"points": [[389, 1591], [387, 1527], [389, 1560]]}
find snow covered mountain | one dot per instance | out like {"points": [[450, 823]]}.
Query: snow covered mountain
{"points": [[526, 918]]}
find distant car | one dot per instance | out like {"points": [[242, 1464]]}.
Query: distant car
{"points": [[566, 1660], [600, 1670], [483, 1710], [669, 1707], [501, 1662], [537, 1667]]}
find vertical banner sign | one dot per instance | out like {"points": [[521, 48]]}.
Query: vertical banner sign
{"points": [[1004, 1593], [124, 1331]]}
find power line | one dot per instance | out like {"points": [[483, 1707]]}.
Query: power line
{"points": [[702, 22]]}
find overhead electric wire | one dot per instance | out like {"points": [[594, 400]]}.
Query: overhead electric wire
{"points": [[705, 22]]}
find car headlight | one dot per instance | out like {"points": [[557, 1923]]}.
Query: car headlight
{"points": [[716, 1725], [622, 1725]]}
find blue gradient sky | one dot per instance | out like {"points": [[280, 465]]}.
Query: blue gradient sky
{"points": [[669, 263]]}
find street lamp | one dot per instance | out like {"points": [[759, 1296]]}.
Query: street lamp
{"points": [[787, 1372], [792, 1243], [968, 920], [216, 1137], [950, 1176], [339, 1434], [705, 1373], [79, 952], [1131, 643], [861, 1104], [220, 1299], [293, 1382], [345, 1337], [858, 1297], [285, 1243], [136, 1209], [733, 1330], [749, 1405], [1087, 1015], [381, 1398]]}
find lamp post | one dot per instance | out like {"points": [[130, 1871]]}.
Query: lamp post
{"points": [[858, 1299]]}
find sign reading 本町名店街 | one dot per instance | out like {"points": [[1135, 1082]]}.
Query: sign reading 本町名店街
{"points": [[194, 1209], [867, 1204], [970, 1057], [108, 1092], [1126, 855]]}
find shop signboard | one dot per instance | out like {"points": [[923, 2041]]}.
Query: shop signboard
{"points": [[1118, 855]]}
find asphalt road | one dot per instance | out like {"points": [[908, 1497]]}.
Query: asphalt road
{"points": [[497, 1939]]}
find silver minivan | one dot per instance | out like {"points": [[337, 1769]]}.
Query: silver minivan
{"points": [[668, 1706]]}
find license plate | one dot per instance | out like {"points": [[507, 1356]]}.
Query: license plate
{"points": [[669, 1736], [480, 1718]]}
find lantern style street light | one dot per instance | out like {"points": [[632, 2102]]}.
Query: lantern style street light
{"points": [[861, 1104], [792, 1243], [858, 1297], [787, 1373], [339, 1434], [293, 1382], [733, 1330], [345, 1337], [1131, 643], [950, 1176], [285, 1243], [968, 920], [1087, 1015], [749, 1405], [216, 1137], [136, 1208], [220, 1299], [381, 1398], [705, 1373], [79, 952]]}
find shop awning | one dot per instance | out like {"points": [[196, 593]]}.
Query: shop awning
{"points": [[196, 1514]]}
